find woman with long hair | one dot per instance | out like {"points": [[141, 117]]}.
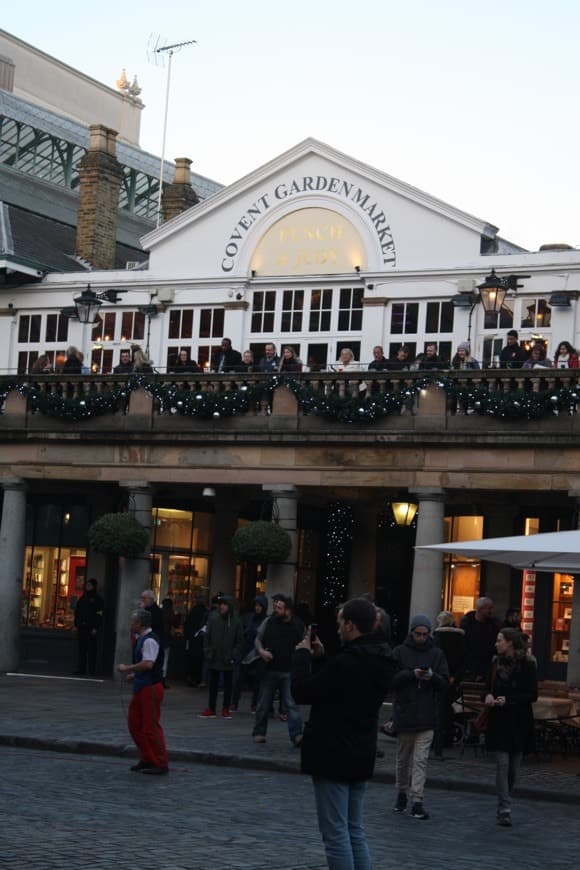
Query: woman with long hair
{"points": [[463, 358], [566, 356], [289, 362], [72, 364], [141, 362], [512, 687]]}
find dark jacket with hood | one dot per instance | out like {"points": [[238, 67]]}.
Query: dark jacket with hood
{"points": [[416, 702], [340, 738], [223, 641], [251, 623], [452, 641]]}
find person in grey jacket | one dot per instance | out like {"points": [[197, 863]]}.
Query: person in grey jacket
{"points": [[421, 673]]}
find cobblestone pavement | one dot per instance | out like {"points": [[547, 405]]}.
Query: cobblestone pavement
{"points": [[90, 812], [91, 717]]}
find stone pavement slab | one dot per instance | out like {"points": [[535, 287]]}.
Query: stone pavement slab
{"points": [[86, 813], [90, 717]]}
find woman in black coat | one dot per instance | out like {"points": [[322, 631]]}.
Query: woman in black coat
{"points": [[512, 687]]}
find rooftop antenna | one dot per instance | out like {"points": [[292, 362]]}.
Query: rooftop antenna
{"points": [[161, 51]]}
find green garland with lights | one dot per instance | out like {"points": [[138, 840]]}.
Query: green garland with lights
{"points": [[176, 399]]}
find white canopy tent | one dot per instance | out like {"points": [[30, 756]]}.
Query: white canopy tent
{"points": [[549, 551]]}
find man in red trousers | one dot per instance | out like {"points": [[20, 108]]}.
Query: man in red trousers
{"points": [[145, 707]]}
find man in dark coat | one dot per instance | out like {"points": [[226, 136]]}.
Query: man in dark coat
{"points": [[147, 602], [421, 673], [512, 356], [222, 648], [481, 630], [125, 365], [193, 634], [275, 642], [88, 620], [340, 738], [227, 359]]}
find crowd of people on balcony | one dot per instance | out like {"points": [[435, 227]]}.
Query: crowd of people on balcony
{"points": [[513, 355]]}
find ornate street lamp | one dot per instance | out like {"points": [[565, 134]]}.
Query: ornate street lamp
{"points": [[86, 306], [403, 512], [491, 293]]}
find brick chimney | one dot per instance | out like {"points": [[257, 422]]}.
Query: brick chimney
{"points": [[179, 195], [100, 175]]}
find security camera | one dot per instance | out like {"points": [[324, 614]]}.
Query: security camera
{"points": [[370, 286], [239, 296]]}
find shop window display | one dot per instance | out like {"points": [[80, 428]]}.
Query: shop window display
{"points": [[462, 575], [561, 616], [181, 543], [54, 579]]}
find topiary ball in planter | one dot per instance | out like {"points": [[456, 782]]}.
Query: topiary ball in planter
{"points": [[118, 535], [262, 542]]}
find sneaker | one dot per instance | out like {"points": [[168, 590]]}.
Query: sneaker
{"points": [[260, 738], [253, 708], [155, 771], [226, 713], [417, 812], [401, 804], [297, 741], [504, 820], [233, 708], [208, 713], [282, 717]]}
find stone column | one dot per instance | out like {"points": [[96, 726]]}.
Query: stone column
{"points": [[427, 583], [499, 522], [282, 577], [363, 560], [134, 574], [223, 564], [11, 568], [573, 670]]}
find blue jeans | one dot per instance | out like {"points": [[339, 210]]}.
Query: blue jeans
{"points": [[506, 771], [339, 806], [271, 681]]}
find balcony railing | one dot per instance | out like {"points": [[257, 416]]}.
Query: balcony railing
{"points": [[345, 398]]}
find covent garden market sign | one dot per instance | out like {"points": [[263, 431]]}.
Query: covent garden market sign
{"points": [[339, 187]]}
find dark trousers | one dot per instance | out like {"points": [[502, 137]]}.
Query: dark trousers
{"points": [[214, 681], [87, 648]]}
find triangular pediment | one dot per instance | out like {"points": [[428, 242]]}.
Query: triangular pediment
{"points": [[398, 224]]}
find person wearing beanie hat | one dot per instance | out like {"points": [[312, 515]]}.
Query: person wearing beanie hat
{"points": [[418, 620], [421, 674], [463, 358]]}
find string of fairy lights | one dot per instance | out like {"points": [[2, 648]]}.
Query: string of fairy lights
{"points": [[57, 401], [339, 532]]}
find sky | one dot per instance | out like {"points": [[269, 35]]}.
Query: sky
{"points": [[474, 103]]}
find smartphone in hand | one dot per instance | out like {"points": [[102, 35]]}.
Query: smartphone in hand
{"points": [[314, 631]]}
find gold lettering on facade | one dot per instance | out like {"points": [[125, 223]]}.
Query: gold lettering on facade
{"points": [[312, 233]]}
